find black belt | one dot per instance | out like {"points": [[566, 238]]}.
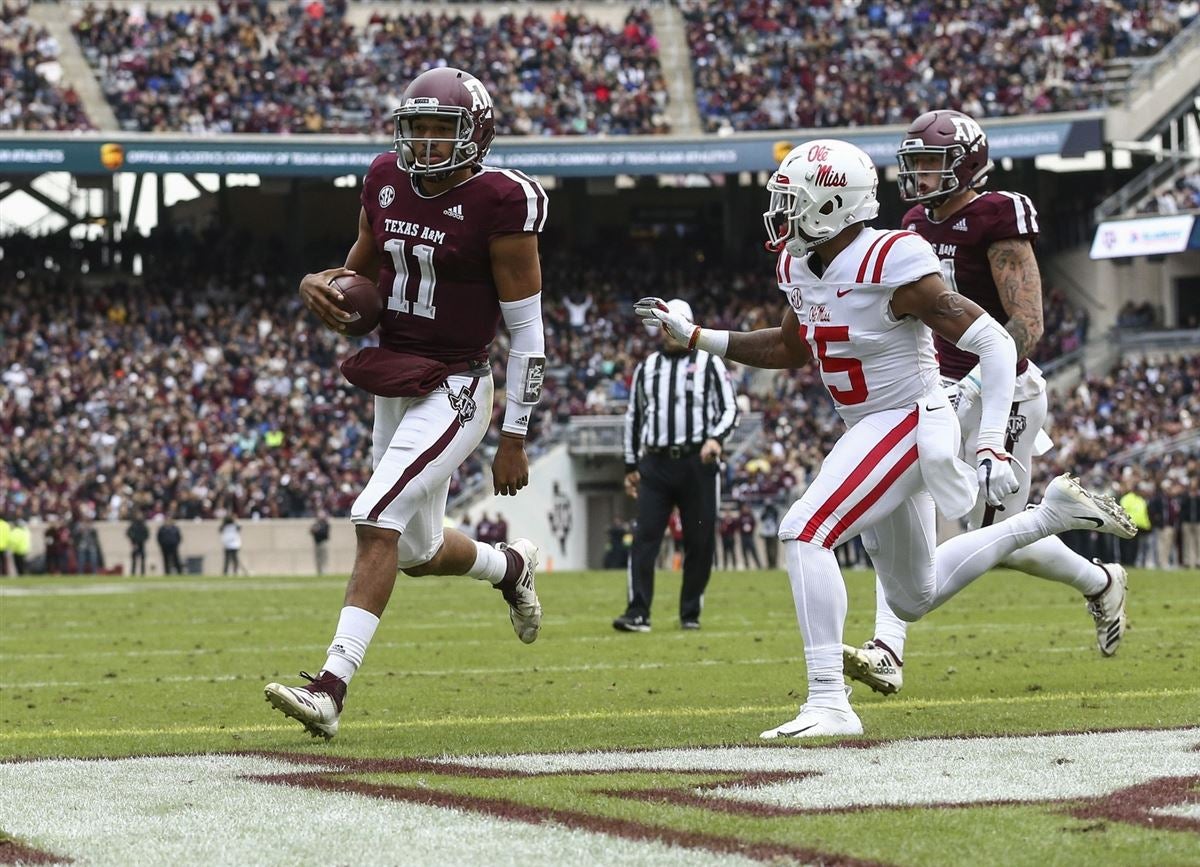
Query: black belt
{"points": [[682, 451]]}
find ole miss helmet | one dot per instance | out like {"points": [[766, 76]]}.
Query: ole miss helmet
{"points": [[820, 188]]}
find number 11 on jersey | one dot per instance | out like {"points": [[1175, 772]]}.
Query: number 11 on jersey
{"points": [[397, 299]]}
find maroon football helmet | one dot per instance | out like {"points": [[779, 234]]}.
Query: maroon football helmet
{"points": [[960, 146], [449, 94]]}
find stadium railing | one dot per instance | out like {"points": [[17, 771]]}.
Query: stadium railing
{"points": [[1124, 201], [1148, 71], [1173, 341]]}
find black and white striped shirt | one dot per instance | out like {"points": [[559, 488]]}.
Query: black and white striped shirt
{"points": [[678, 400]]}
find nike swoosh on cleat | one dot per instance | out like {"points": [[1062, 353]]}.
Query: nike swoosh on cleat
{"points": [[800, 731], [1095, 521], [931, 408]]}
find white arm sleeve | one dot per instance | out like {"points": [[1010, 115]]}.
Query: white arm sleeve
{"points": [[526, 361], [998, 375]]}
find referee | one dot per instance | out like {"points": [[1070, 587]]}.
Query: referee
{"points": [[681, 408]]}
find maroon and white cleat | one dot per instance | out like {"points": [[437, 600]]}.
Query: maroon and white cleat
{"points": [[875, 665], [524, 609], [1108, 608], [316, 706]]}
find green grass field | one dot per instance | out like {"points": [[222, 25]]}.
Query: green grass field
{"points": [[173, 667]]}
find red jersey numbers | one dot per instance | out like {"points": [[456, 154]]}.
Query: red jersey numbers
{"points": [[822, 336], [420, 255]]}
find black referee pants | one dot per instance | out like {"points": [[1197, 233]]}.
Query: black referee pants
{"points": [[691, 485]]}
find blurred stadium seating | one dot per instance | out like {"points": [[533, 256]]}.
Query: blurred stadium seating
{"points": [[308, 69]]}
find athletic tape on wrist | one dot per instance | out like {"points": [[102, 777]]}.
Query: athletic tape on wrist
{"points": [[526, 374]]}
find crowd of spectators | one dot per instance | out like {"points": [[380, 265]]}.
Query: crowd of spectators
{"points": [[777, 64], [1140, 402], [33, 96], [249, 66], [202, 387], [246, 68]]}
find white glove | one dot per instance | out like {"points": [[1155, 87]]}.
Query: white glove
{"points": [[997, 477], [654, 312]]}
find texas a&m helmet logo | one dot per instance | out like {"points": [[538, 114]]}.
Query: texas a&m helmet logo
{"points": [[968, 132]]}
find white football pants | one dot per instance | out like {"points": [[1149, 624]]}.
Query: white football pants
{"points": [[416, 445]]}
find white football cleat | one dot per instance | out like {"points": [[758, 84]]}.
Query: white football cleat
{"points": [[317, 706], [816, 721], [875, 665], [1108, 608], [524, 609], [1072, 507]]}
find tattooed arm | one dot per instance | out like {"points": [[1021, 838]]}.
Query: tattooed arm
{"points": [[770, 348], [938, 306], [1015, 271]]}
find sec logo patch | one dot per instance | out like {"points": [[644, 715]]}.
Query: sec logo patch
{"points": [[387, 195]]}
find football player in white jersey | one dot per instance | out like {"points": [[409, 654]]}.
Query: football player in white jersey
{"points": [[985, 241], [862, 302]]}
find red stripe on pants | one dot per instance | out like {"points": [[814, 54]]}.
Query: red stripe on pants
{"points": [[859, 475], [847, 520]]}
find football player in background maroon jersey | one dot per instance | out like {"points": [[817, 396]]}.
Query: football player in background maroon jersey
{"points": [[453, 245], [985, 240]]}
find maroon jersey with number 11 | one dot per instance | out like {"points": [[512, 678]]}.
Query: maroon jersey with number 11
{"points": [[435, 274], [961, 242]]}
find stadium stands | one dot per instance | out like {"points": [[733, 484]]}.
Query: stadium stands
{"points": [[765, 64], [246, 68], [775, 64], [32, 95]]}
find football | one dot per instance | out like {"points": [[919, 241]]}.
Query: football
{"points": [[360, 296]]}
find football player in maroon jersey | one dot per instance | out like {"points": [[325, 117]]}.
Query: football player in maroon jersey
{"points": [[985, 242], [453, 246]]}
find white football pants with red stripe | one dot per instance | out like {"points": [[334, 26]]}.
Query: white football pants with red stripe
{"points": [[1047, 558], [871, 479], [871, 484], [416, 445]]}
